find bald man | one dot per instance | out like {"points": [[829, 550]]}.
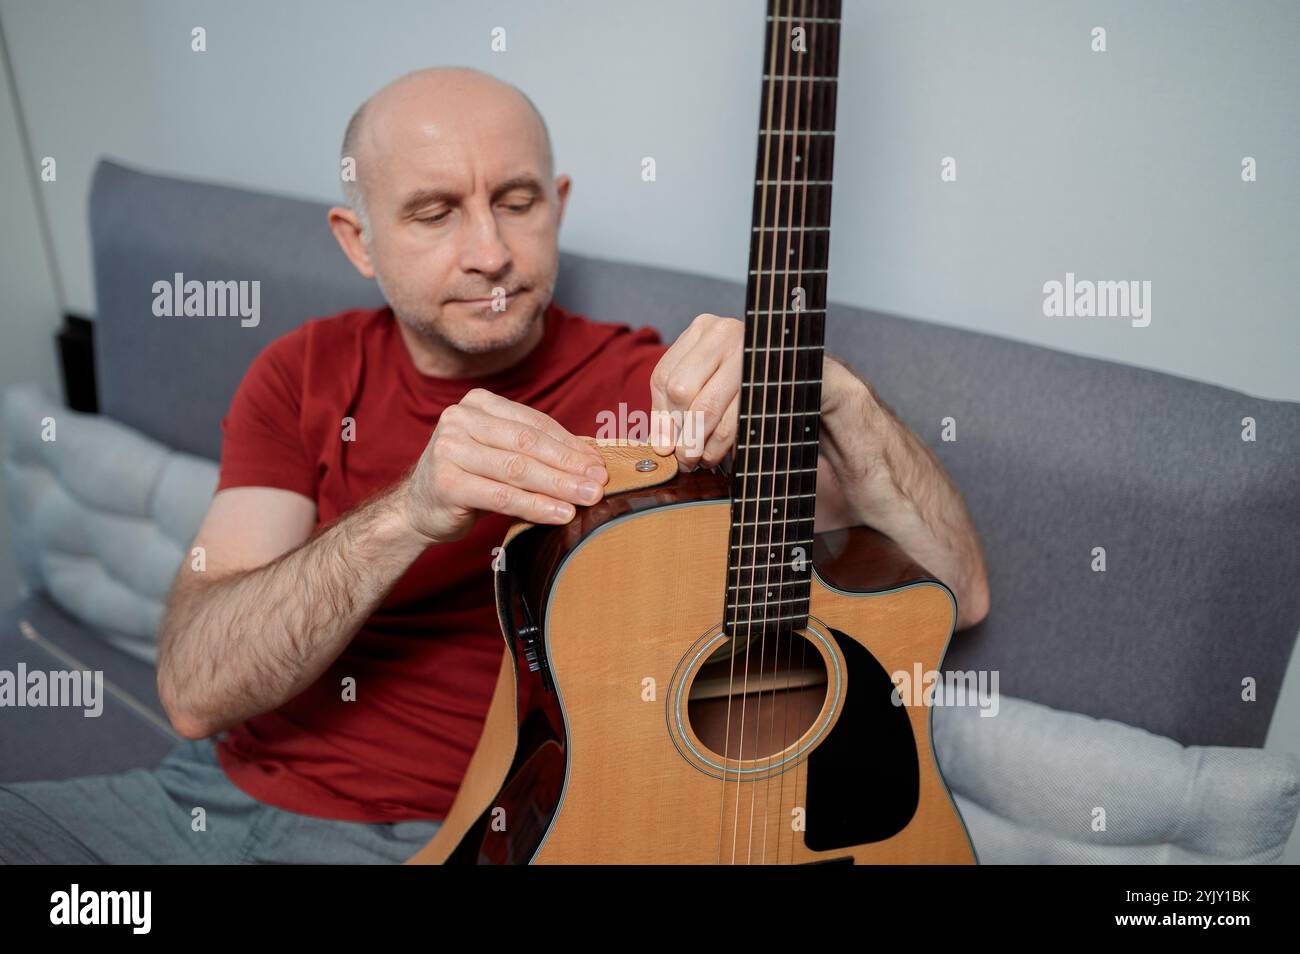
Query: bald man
{"points": [[331, 666]]}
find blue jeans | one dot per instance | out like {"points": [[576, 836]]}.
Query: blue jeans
{"points": [[146, 816]]}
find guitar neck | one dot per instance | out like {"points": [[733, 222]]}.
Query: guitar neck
{"points": [[774, 488]]}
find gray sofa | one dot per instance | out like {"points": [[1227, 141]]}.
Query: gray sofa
{"points": [[1121, 732]]}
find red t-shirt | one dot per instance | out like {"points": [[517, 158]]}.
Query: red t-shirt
{"points": [[426, 662]]}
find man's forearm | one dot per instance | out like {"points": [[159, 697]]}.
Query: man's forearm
{"points": [[244, 643], [893, 482]]}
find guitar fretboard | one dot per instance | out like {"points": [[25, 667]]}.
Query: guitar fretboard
{"points": [[774, 487]]}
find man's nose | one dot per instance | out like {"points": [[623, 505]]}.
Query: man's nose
{"points": [[482, 249]]}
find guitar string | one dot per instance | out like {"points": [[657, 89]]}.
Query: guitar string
{"points": [[762, 442], [762, 448], [773, 33], [795, 114], [782, 816], [829, 16]]}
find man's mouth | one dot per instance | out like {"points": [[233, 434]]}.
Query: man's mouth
{"points": [[489, 299]]}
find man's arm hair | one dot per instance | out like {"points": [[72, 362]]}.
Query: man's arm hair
{"points": [[271, 611], [880, 473], [275, 604]]}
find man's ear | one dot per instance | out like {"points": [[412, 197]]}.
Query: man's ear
{"points": [[562, 184], [347, 230]]}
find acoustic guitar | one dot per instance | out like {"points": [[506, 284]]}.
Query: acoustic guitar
{"points": [[691, 674]]}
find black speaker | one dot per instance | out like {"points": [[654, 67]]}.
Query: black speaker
{"points": [[77, 359]]}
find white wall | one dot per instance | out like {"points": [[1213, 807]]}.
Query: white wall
{"points": [[29, 306], [1116, 165]]}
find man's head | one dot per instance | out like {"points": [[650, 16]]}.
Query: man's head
{"points": [[455, 198]]}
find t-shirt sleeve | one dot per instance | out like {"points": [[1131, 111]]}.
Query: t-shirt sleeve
{"points": [[262, 433]]}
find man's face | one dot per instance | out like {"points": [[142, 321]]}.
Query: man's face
{"points": [[461, 211]]}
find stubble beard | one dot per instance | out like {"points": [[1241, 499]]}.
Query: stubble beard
{"points": [[481, 331]]}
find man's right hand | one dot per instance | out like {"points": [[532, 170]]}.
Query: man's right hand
{"points": [[489, 454]]}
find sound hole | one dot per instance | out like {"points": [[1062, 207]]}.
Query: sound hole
{"points": [[759, 702]]}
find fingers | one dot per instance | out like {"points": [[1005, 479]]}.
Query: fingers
{"points": [[491, 496], [663, 430], [516, 435], [713, 414], [695, 392], [501, 407], [503, 457], [723, 437], [521, 471]]}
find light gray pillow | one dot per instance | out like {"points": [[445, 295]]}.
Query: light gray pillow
{"points": [[1029, 782], [101, 515]]}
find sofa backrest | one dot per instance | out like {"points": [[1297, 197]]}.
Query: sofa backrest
{"points": [[1057, 455]]}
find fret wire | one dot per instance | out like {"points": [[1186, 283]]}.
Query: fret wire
{"points": [[793, 19], [769, 602], [755, 545]]}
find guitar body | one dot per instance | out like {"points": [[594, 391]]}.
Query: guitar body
{"points": [[624, 760]]}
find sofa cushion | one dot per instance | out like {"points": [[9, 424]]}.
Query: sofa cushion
{"points": [[101, 515], [1035, 786], [173, 378]]}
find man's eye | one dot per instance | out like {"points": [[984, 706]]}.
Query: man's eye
{"points": [[521, 207], [433, 218]]}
